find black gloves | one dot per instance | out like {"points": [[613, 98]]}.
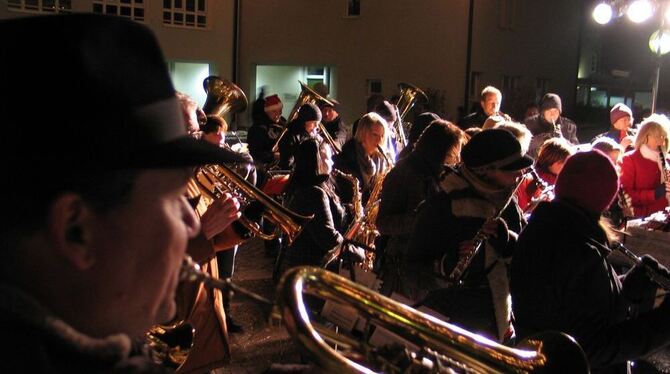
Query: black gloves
{"points": [[637, 285]]}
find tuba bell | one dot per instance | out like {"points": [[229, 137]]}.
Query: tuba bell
{"points": [[308, 95], [223, 97]]}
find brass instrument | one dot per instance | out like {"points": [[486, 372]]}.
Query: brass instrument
{"points": [[216, 180], [363, 230], [169, 345], [449, 344], [409, 95], [223, 97], [456, 275], [308, 95]]}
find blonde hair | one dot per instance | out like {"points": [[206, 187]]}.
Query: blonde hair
{"points": [[365, 126], [655, 124], [520, 132]]}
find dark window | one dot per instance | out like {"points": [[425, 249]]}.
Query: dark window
{"points": [[353, 8]]}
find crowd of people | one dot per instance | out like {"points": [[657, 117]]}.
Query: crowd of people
{"points": [[503, 227]]}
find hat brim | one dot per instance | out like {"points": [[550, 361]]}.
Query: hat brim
{"points": [[183, 152], [519, 164]]}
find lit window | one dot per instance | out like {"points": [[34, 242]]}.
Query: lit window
{"points": [[185, 13], [132, 9], [40, 6]]}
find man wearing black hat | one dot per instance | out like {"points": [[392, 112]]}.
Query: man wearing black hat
{"points": [[92, 248], [476, 199], [550, 124]]}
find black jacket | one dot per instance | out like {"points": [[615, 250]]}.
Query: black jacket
{"points": [[543, 130], [261, 137], [560, 281], [337, 131]]}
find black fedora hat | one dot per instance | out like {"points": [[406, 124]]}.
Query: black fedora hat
{"points": [[91, 92]]}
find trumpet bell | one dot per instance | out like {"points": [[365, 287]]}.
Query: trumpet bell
{"points": [[223, 97]]}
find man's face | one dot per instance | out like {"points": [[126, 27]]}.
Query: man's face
{"points": [[551, 115], [623, 123], [490, 104], [140, 247], [274, 114], [329, 113], [374, 138]]}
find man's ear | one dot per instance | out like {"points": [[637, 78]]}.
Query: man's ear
{"points": [[69, 230]]}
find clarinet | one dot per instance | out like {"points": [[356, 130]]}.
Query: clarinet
{"points": [[664, 164], [456, 275], [657, 277]]}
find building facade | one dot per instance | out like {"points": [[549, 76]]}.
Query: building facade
{"points": [[451, 49]]}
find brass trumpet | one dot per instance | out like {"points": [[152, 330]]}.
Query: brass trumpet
{"points": [[216, 180]]}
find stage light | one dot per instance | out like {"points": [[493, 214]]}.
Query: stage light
{"points": [[659, 42], [640, 11], [602, 13]]}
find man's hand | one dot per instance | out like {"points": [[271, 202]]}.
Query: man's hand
{"points": [[220, 214]]}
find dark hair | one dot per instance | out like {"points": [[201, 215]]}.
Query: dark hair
{"points": [[372, 101], [309, 165], [552, 150], [438, 140], [214, 124]]}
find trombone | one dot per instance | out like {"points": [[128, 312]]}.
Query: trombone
{"points": [[308, 95], [409, 95]]}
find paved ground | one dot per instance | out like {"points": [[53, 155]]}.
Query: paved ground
{"points": [[260, 344]]}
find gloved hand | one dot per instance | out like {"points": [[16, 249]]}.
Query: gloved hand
{"points": [[659, 191], [637, 285]]}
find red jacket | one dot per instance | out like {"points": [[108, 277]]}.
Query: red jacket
{"points": [[528, 189], [639, 178]]}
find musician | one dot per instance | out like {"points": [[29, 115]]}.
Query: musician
{"points": [[422, 121], [643, 175], [304, 126], [550, 124], [620, 210], [561, 281], [446, 224], [360, 156], [439, 145], [489, 104], [371, 103], [621, 121], [91, 253], [267, 124], [388, 112], [333, 122], [308, 192], [549, 163]]}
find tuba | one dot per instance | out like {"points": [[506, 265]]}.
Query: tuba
{"points": [[409, 95], [223, 97], [308, 95]]}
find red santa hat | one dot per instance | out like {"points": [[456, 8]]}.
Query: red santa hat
{"points": [[272, 103]]}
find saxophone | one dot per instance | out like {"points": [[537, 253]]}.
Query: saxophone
{"points": [[363, 230]]}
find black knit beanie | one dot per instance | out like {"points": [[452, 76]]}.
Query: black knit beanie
{"points": [[550, 101], [309, 112]]}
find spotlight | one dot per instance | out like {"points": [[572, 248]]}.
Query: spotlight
{"points": [[602, 13], [640, 11], [659, 42]]}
